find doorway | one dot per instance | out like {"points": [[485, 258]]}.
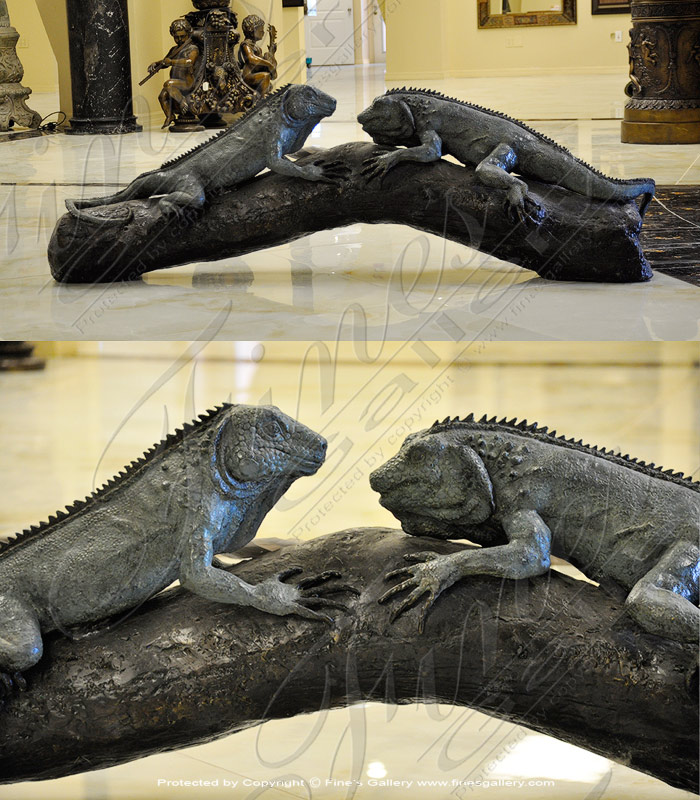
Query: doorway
{"points": [[330, 27]]}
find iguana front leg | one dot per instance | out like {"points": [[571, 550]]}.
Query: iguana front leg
{"points": [[526, 555], [495, 171], [321, 170], [429, 150], [273, 596]]}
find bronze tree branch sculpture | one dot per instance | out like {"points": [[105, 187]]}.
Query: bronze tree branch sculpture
{"points": [[554, 654], [579, 239]]}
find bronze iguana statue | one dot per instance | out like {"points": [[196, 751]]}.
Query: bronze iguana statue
{"points": [[203, 490], [278, 125], [429, 125], [524, 494]]}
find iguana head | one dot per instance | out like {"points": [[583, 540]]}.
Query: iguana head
{"points": [[435, 485], [307, 104], [261, 445], [389, 121]]}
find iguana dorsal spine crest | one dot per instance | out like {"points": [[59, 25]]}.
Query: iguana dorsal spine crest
{"points": [[267, 101], [543, 434], [172, 439], [438, 95]]}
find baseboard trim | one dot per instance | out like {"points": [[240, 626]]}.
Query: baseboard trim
{"points": [[504, 72]]}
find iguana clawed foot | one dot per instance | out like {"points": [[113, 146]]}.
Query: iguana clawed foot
{"points": [[9, 683], [378, 166], [330, 171], [426, 576], [522, 208], [275, 596]]}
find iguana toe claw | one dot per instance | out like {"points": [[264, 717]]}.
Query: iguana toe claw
{"points": [[337, 589], [6, 685], [308, 583], [323, 602], [411, 601], [288, 573], [400, 587], [396, 573], [416, 558], [309, 613], [19, 681]]}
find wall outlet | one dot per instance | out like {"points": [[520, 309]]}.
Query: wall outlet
{"points": [[514, 41], [618, 36]]}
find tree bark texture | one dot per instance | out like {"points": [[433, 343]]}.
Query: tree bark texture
{"points": [[551, 653], [579, 239]]}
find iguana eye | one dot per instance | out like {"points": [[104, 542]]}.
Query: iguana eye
{"points": [[418, 455], [272, 429]]}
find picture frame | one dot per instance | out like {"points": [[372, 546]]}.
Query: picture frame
{"points": [[611, 7], [485, 19]]}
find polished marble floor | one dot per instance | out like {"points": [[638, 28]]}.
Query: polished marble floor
{"points": [[67, 429], [326, 285]]}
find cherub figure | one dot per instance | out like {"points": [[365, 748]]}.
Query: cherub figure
{"points": [[257, 70], [184, 61]]}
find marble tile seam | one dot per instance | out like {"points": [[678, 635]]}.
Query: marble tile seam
{"points": [[61, 183]]}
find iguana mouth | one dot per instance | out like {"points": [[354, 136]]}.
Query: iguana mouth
{"points": [[396, 500], [327, 109], [308, 466]]}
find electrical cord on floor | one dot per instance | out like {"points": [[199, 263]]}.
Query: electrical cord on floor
{"points": [[42, 130], [664, 206], [52, 127]]}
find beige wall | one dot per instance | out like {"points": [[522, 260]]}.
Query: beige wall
{"points": [[451, 45]]}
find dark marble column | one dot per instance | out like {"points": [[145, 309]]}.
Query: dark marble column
{"points": [[16, 356], [100, 67]]}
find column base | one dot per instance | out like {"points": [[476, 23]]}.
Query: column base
{"points": [[661, 126], [14, 108], [106, 126]]}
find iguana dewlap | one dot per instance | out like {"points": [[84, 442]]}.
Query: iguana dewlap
{"points": [[524, 495], [276, 127], [203, 490], [429, 125]]}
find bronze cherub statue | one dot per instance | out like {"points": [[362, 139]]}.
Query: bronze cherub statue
{"points": [[258, 70], [186, 66]]}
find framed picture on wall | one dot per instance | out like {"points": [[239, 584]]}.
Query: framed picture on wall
{"points": [[611, 7]]}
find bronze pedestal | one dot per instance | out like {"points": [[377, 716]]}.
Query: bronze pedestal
{"points": [[664, 88]]}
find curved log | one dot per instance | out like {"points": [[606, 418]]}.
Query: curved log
{"points": [[551, 653], [579, 240]]}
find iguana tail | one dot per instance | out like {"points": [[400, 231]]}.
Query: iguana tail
{"points": [[553, 163], [587, 180], [146, 185], [86, 216], [631, 189], [593, 183]]}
